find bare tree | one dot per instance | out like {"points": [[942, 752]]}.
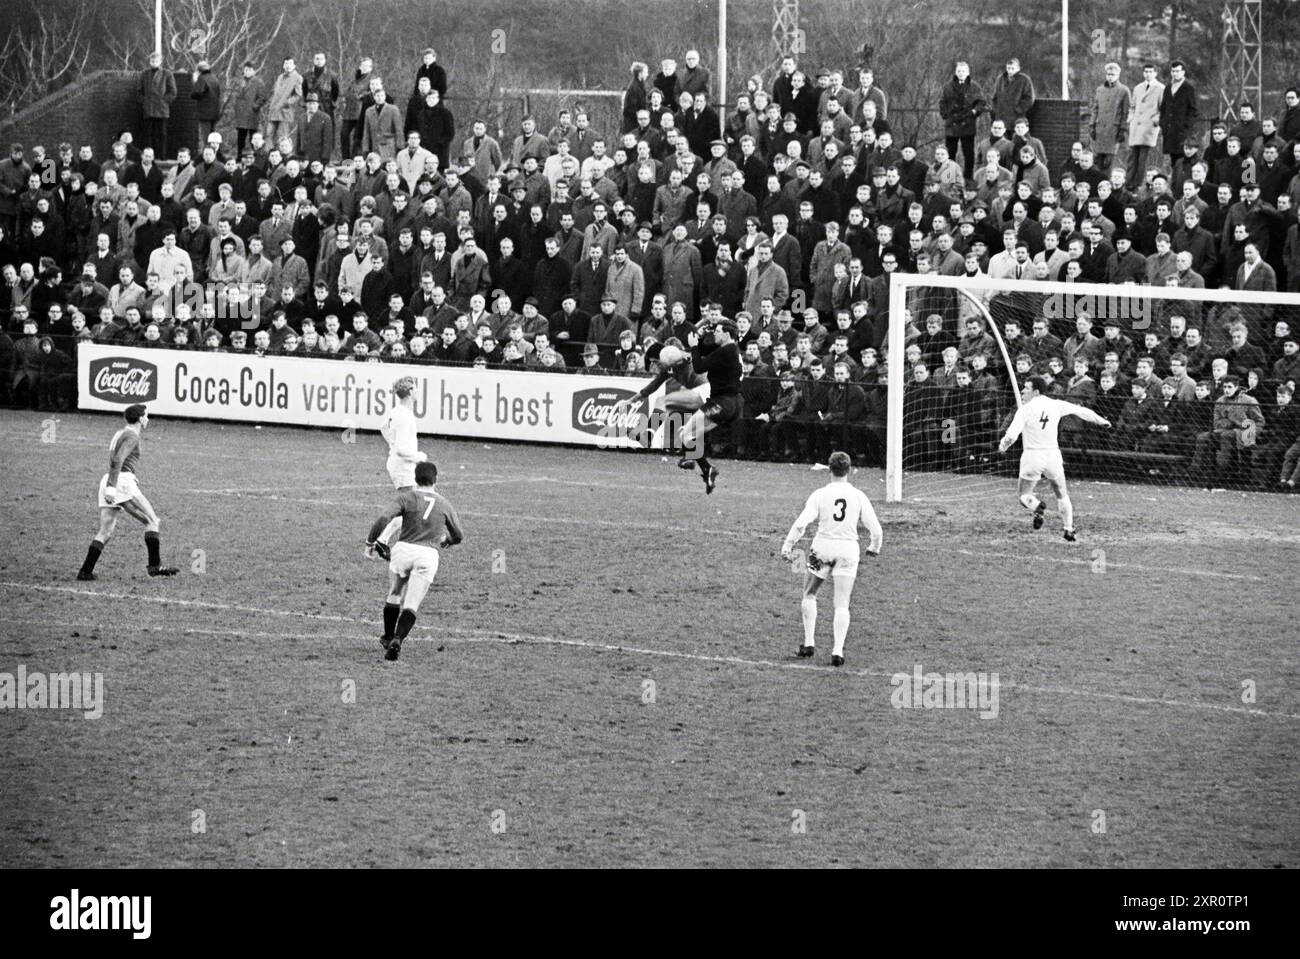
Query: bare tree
{"points": [[223, 32], [47, 50]]}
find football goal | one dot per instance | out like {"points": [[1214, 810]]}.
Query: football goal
{"points": [[1178, 373]]}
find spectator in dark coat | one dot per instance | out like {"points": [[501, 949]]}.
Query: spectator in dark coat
{"points": [[1178, 112], [1013, 96], [960, 105], [206, 93], [635, 97], [431, 68], [156, 89]]}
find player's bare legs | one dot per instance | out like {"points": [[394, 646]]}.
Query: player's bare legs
{"points": [[405, 594], [840, 627], [392, 605], [1029, 501], [808, 609], [138, 508], [1066, 507]]}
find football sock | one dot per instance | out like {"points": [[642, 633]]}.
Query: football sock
{"points": [[1067, 512], [404, 623], [1029, 501], [704, 465], [809, 607], [151, 544], [841, 631], [391, 612], [92, 556]]}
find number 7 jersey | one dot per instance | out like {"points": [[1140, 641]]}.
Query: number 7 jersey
{"points": [[426, 516]]}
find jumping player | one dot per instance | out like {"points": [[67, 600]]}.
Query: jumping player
{"points": [[716, 355], [399, 431], [428, 523], [1037, 421], [120, 493], [685, 390], [839, 508]]}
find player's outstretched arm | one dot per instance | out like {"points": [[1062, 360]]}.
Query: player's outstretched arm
{"points": [[867, 518], [1085, 414], [801, 523], [373, 545], [1013, 431]]}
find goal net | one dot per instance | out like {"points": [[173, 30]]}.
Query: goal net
{"points": [[1157, 362]]}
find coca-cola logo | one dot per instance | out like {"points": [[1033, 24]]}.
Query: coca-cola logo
{"points": [[593, 411], [119, 380]]}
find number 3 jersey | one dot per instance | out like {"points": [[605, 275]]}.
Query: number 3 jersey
{"points": [[837, 507]]}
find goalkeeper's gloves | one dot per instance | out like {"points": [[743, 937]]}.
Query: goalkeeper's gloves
{"points": [[871, 552], [379, 549]]}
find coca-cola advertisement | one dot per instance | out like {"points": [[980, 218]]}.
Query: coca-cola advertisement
{"points": [[593, 411], [120, 380]]}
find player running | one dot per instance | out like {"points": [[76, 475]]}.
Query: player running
{"points": [[839, 508], [428, 523], [399, 431], [1036, 422], [120, 493]]}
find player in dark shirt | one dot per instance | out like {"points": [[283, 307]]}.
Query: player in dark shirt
{"points": [[716, 355], [429, 523], [119, 493]]}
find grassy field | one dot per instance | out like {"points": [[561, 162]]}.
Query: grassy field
{"points": [[604, 670]]}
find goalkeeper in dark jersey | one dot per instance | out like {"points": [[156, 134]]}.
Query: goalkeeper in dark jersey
{"points": [[120, 493], [429, 523], [713, 400], [715, 354]]}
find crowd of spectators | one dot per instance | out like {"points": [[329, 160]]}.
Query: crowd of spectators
{"points": [[352, 221]]}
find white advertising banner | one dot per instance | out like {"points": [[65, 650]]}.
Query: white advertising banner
{"points": [[449, 401]]}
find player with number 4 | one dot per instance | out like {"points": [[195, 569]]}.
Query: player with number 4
{"points": [[1036, 422]]}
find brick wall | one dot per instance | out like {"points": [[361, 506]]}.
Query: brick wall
{"points": [[94, 110], [1058, 123]]}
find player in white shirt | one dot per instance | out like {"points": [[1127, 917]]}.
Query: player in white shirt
{"points": [[1036, 422], [399, 431], [839, 509]]}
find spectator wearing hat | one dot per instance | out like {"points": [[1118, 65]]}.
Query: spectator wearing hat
{"points": [[591, 360], [206, 92], [625, 283], [316, 132]]}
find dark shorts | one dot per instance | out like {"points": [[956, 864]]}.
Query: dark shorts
{"points": [[722, 410]]}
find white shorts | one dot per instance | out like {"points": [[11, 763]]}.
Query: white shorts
{"points": [[837, 557], [1039, 464], [412, 559], [127, 488], [401, 472]]}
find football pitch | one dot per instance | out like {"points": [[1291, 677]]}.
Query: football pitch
{"points": [[603, 674]]}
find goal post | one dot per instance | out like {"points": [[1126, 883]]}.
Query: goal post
{"points": [[933, 429]]}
